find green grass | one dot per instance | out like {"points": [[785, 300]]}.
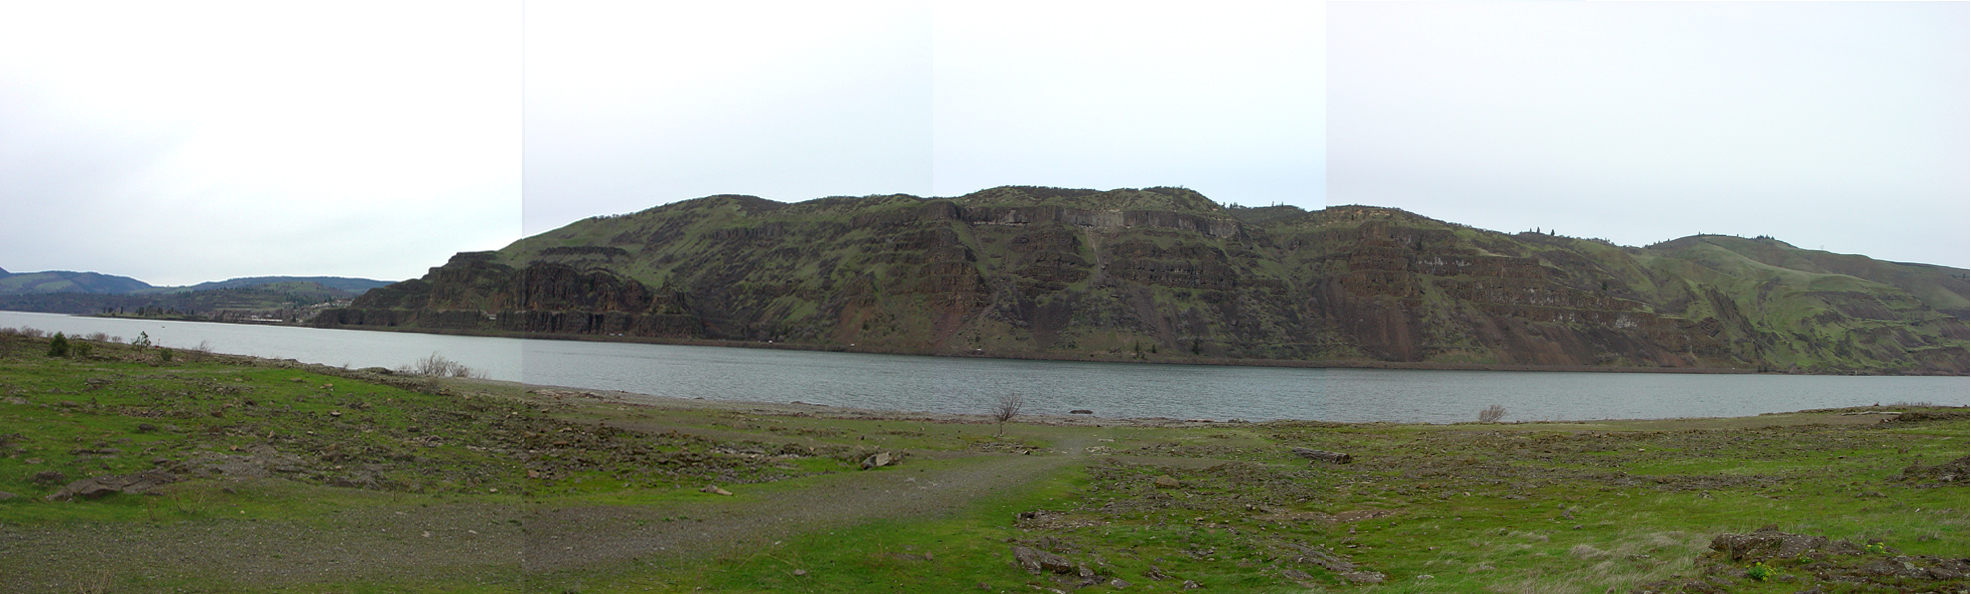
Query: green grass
{"points": [[1534, 507]]}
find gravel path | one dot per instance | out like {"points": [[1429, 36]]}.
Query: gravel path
{"points": [[492, 543], [458, 543], [566, 538]]}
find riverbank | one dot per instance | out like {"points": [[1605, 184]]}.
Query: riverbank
{"points": [[282, 477], [1137, 357]]}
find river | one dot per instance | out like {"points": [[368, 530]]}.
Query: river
{"points": [[971, 385]]}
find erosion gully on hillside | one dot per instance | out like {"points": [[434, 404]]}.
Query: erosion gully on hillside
{"points": [[128, 471]]}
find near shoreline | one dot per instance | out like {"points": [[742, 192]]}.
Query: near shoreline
{"points": [[124, 469]]}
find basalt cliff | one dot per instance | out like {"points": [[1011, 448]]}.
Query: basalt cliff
{"points": [[1167, 274]]}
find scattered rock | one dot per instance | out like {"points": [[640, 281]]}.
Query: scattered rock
{"points": [[1191, 585], [1314, 455], [1930, 415], [800, 572], [5, 496], [1036, 561], [91, 488], [715, 490], [1363, 577], [1324, 559], [879, 460], [1767, 542], [50, 477], [1164, 481], [1118, 583], [1953, 472]]}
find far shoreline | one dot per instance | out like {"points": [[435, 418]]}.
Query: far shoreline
{"points": [[1093, 358]]}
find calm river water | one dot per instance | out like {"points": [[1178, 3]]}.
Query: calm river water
{"points": [[963, 385]]}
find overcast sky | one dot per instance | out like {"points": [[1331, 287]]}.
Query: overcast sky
{"points": [[1825, 124], [202, 141]]}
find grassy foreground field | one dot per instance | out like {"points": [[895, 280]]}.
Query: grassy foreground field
{"points": [[225, 474]]}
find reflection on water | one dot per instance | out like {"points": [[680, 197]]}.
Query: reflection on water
{"points": [[963, 385]]}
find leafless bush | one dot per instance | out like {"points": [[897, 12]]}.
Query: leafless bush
{"points": [[1007, 408], [437, 365], [26, 331], [97, 336], [1492, 414]]}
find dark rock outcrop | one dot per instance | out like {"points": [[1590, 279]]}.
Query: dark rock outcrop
{"points": [[1165, 273]]}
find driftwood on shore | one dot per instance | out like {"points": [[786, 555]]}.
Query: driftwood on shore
{"points": [[1322, 455]]}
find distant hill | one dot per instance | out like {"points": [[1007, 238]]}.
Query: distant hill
{"points": [[63, 281], [1167, 274], [282, 297], [352, 285]]}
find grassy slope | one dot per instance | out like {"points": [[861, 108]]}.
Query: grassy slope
{"points": [[790, 269], [1814, 319], [1540, 507]]}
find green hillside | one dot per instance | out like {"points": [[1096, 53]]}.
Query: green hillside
{"points": [[1167, 274]]}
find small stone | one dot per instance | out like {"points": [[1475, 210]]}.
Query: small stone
{"points": [[1191, 585], [800, 572], [1118, 583], [1164, 481], [715, 490]]}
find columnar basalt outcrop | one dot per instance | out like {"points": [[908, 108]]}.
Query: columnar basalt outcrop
{"points": [[1166, 274]]}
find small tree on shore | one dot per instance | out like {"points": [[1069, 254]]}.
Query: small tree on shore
{"points": [[1492, 414], [59, 346], [1007, 408]]}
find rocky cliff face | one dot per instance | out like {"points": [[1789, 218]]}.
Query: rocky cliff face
{"points": [[1166, 273]]}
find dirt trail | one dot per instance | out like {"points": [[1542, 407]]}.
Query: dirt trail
{"points": [[496, 543], [566, 538], [462, 543]]}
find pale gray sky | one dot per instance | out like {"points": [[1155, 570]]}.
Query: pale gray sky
{"points": [[628, 109], [180, 142], [206, 140], [1835, 124]]}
